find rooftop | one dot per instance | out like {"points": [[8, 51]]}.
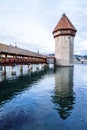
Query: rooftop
{"points": [[11, 50], [63, 24]]}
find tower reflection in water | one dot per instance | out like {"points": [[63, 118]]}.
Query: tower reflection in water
{"points": [[64, 97]]}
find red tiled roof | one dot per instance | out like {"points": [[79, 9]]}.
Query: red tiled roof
{"points": [[64, 23]]}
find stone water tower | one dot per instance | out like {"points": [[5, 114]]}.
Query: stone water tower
{"points": [[64, 33]]}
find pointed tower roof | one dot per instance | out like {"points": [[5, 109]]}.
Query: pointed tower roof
{"points": [[64, 24]]}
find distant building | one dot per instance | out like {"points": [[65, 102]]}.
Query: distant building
{"points": [[64, 33]]}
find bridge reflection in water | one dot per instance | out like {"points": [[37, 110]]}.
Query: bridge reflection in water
{"points": [[64, 97], [11, 87]]}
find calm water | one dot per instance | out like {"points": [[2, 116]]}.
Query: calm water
{"points": [[48, 100]]}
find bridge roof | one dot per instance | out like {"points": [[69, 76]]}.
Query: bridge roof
{"points": [[11, 50], [64, 23]]}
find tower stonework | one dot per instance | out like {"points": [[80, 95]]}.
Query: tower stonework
{"points": [[64, 33]]}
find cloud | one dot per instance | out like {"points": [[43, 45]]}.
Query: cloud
{"points": [[30, 23], [81, 47], [3, 9]]}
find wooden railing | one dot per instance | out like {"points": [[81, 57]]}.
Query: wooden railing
{"points": [[16, 61]]}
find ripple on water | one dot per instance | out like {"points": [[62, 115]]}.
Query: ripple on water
{"points": [[47, 100]]}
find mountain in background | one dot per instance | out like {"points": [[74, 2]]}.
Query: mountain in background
{"points": [[80, 56], [77, 58]]}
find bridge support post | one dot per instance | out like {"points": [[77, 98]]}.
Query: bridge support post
{"points": [[37, 67], [44, 66], [21, 69], [30, 68], [13, 72], [4, 70]]}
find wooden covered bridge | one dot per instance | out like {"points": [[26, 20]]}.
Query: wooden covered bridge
{"points": [[10, 55]]}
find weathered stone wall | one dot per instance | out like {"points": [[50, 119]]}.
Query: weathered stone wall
{"points": [[64, 49]]}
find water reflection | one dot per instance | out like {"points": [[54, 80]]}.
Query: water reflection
{"points": [[64, 97], [11, 87]]}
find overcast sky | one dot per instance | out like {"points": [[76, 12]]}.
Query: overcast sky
{"points": [[29, 23]]}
